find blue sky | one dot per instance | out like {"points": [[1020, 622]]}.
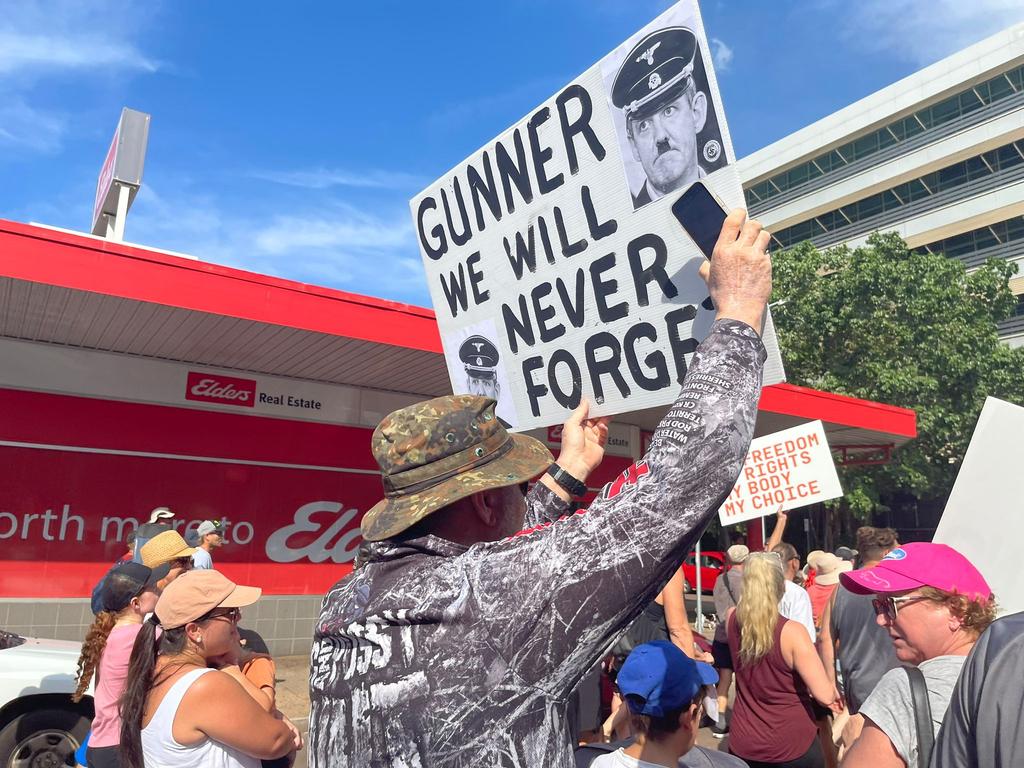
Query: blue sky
{"points": [[288, 138]]}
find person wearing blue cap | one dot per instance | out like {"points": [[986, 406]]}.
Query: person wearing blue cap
{"points": [[665, 691]]}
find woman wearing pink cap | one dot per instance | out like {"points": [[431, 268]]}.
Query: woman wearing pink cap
{"points": [[176, 712], [934, 604]]}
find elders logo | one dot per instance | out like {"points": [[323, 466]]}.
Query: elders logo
{"points": [[222, 390]]}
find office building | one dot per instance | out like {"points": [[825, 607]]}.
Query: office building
{"points": [[938, 157]]}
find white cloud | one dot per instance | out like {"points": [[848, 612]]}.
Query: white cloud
{"points": [[325, 178], [924, 31], [721, 54], [42, 53], [343, 227], [63, 41], [342, 246], [329, 243]]}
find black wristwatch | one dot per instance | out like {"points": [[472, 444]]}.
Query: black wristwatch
{"points": [[570, 484]]}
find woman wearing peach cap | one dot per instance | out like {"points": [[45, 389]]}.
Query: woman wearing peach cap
{"points": [[176, 712]]}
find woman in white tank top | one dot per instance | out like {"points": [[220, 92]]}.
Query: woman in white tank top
{"points": [[176, 711]]}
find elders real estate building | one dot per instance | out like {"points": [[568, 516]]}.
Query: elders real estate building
{"points": [[938, 157]]}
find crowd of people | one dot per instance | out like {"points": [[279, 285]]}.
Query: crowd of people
{"points": [[874, 691], [174, 685], [481, 609]]}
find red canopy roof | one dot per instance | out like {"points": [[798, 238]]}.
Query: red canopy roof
{"points": [[64, 288]]}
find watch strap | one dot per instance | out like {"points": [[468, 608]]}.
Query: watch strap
{"points": [[567, 482]]}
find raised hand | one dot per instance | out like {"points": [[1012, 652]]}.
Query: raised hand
{"points": [[583, 441], [739, 275]]}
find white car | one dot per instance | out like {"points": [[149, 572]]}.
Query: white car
{"points": [[40, 727]]}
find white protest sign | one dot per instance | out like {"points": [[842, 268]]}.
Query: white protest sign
{"points": [[784, 470], [555, 266], [984, 517]]}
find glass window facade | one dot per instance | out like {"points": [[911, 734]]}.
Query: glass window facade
{"points": [[956, 175], [952, 108], [966, 243]]}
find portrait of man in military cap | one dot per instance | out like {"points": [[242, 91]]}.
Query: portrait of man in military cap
{"points": [[475, 367], [669, 130], [480, 358]]}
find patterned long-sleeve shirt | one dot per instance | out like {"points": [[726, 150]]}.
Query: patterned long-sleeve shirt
{"points": [[439, 655]]}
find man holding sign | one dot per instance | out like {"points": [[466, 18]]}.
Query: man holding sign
{"points": [[460, 640]]}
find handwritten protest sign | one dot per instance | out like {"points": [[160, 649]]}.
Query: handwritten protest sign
{"points": [[555, 267], [784, 470], [984, 517]]}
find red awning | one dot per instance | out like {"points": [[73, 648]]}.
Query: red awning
{"points": [[76, 290]]}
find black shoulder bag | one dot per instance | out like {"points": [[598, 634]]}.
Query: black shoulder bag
{"points": [[922, 716]]}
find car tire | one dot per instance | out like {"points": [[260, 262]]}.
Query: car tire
{"points": [[687, 587], [44, 737]]}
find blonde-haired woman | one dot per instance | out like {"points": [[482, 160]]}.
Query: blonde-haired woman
{"points": [[777, 674]]}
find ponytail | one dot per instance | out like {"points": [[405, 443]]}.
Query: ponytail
{"points": [[148, 646], [92, 650]]}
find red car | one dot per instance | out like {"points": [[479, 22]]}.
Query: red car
{"points": [[711, 565]]}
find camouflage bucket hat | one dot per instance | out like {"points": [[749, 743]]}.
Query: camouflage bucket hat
{"points": [[442, 450]]}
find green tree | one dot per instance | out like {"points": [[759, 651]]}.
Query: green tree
{"points": [[884, 323]]}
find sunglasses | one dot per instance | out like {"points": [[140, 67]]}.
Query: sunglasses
{"points": [[231, 614], [889, 606]]}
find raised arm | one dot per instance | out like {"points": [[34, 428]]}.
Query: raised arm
{"points": [[575, 584], [583, 441], [676, 620], [781, 518]]}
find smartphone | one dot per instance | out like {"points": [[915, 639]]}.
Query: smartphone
{"points": [[701, 215]]}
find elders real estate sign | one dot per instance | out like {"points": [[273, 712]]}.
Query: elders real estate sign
{"points": [[782, 471], [555, 266]]}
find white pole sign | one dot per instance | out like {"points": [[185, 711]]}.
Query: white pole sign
{"points": [[556, 268], [784, 470], [984, 517]]}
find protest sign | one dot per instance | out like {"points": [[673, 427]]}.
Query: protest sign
{"points": [[555, 266], [984, 517], [784, 470]]}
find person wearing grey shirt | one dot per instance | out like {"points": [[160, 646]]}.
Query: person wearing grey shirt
{"points": [[890, 706], [863, 648], [982, 728], [726, 594], [851, 640], [934, 604]]}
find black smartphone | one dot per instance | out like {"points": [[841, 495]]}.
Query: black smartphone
{"points": [[701, 215]]}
